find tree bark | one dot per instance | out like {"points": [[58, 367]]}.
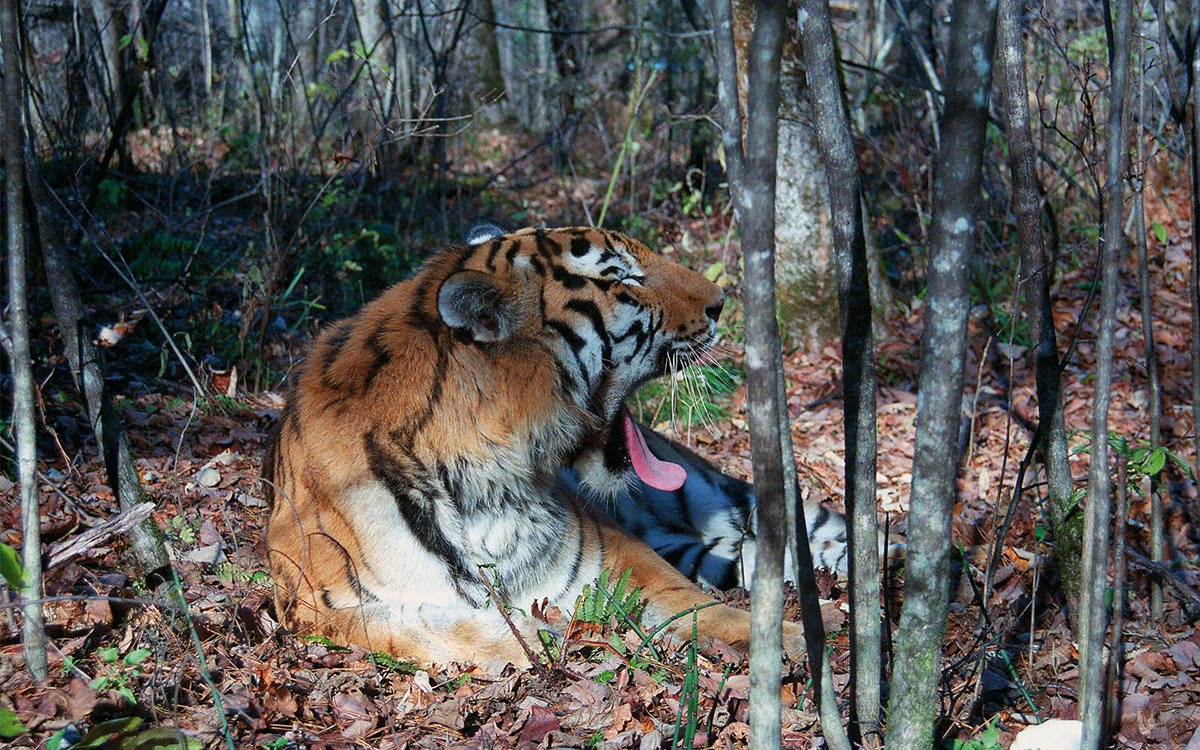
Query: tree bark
{"points": [[1065, 520], [858, 355], [912, 709], [33, 632], [1099, 508], [305, 42], [206, 50], [375, 36], [243, 73], [1153, 387], [1194, 161], [110, 23], [754, 193], [145, 537]]}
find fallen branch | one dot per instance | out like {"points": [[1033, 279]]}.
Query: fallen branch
{"points": [[118, 524], [1188, 596]]}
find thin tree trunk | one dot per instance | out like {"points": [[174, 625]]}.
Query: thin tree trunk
{"points": [[803, 574], [244, 75], [913, 706], [858, 355], [1099, 508], [206, 50], [1153, 387], [305, 42], [1115, 667], [754, 192], [110, 23], [1065, 520], [1194, 161], [33, 632], [145, 537]]}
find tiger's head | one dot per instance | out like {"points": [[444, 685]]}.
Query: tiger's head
{"points": [[614, 314]]}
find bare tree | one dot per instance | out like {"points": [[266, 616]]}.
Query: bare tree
{"points": [[1099, 508], [858, 354], [913, 706], [751, 166], [1065, 521], [110, 22], [33, 633], [146, 539], [1153, 387], [304, 39]]}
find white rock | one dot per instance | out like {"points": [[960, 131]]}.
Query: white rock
{"points": [[209, 477], [1055, 734]]}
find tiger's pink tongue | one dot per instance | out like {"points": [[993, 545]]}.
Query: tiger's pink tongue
{"points": [[661, 475]]}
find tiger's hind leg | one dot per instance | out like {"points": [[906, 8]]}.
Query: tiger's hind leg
{"points": [[425, 633]]}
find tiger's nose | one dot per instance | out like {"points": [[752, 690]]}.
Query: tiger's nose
{"points": [[714, 311]]}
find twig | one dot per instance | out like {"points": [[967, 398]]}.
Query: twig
{"points": [[1190, 598], [501, 607], [118, 524]]}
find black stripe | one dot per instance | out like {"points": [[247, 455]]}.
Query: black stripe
{"points": [[580, 247], [700, 558], [379, 352], [730, 577], [566, 278], [674, 556], [417, 511], [591, 311], [575, 342], [492, 250], [512, 252], [336, 341]]}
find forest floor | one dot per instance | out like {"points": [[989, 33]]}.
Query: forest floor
{"points": [[117, 660]]}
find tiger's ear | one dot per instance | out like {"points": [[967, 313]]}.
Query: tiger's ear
{"points": [[482, 304]]}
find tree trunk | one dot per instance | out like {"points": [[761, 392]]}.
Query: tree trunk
{"points": [[376, 78], [805, 267], [305, 41], [752, 179], [1099, 508], [1066, 523], [110, 23], [526, 61], [243, 78], [145, 537], [912, 709], [206, 50], [33, 632], [1153, 387], [858, 350]]}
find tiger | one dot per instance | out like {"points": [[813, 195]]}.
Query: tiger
{"points": [[706, 528], [459, 450]]}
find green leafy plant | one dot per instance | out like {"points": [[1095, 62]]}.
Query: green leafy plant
{"points": [[689, 698], [391, 663], [123, 734], [11, 567], [118, 671], [988, 739], [598, 604], [10, 725]]}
